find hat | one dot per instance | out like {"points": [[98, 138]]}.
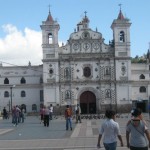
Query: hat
{"points": [[136, 112]]}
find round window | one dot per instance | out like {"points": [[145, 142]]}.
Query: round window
{"points": [[87, 72]]}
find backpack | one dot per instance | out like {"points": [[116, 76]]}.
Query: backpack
{"points": [[68, 112]]}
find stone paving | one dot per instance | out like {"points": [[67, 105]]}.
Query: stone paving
{"points": [[32, 135]]}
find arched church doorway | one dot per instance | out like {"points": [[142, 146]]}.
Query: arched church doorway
{"points": [[88, 103]]}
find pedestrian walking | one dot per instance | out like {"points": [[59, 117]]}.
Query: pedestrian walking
{"points": [[51, 112], [110, 131], [46, 116], [136, 130], [22, 116], [5, 113], [68, 117], [42, 114], [78, 113]]}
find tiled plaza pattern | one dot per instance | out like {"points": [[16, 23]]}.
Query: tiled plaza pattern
{"points": [[32, 135]]}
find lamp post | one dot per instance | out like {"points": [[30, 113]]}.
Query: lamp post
{"points": [[11, 96], [149, 106]]}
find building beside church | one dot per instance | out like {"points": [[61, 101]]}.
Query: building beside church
{"points": [[84, 71]]}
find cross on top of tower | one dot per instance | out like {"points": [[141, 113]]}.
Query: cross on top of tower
{"points": [[120, 6], [85, 13], [49, 8]]}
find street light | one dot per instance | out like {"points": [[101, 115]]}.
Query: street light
{"points": [[149, 106], [11, 96]]}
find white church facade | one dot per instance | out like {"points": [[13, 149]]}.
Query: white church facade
{"points": [[84, 71]]}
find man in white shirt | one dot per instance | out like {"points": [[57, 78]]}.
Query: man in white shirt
{"points": [[51, 112], [110, 130], [78, 113]]}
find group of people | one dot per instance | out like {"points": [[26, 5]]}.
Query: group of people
{"points": [[137, 133], [136, 129], [18, 115], [46, 114]]}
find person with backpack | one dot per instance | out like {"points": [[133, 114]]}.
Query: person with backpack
{"points": [[68, 117], [136, 130]]}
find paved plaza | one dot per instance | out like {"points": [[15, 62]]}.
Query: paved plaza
{"points": [[31, 135]]}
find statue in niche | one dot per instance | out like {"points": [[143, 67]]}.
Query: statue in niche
{"points": [[107, 71], [107, 93], [68, 95], [67, 73]]}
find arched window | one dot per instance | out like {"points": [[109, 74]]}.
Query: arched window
{"points": [[22, 81], [6, 94], [142, 89], [50, 38], [142, 76], [67, 73], [23, 94], [6, 81], [87, 72], [34, 107], [122, 38]]}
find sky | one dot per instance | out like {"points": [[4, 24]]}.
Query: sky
{"points": [[20, 20]]}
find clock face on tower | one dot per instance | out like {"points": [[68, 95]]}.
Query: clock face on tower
{"points": [[95, 46], [86, 46], [75, 46], [86, 35]]}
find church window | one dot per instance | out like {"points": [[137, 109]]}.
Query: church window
{"points": [[22, 81], [142, 76], [6, 81], [51, 71], [34, 107], [142, 89], [41, 80], [67, 73], [107, 93], [23, 94], [50, 38], [87, 72], [6, 94], [122, 38], [41, 96], [67, 94]]}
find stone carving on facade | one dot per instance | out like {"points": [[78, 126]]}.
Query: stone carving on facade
{"points": [[68, 94], [107, 93], [123, 69], [67, 73]]}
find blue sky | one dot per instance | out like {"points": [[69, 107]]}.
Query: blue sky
{"points": [[20, 20]]}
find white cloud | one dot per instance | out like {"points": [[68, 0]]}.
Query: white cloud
{"points": [[20, 47]]}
